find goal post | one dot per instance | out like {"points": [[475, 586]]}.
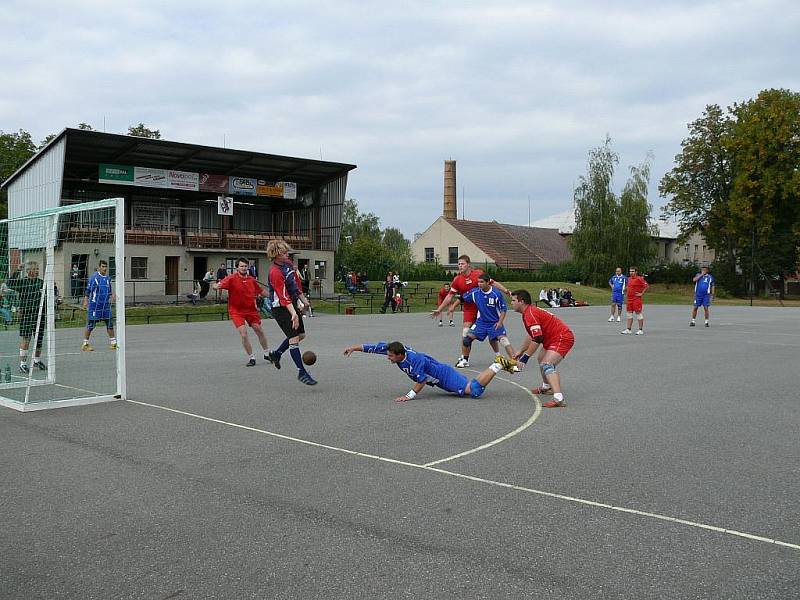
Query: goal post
{"points": [[48, 261]]}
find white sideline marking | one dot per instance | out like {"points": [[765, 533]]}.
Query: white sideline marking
{"points": [[503, 438], [501, 484]]}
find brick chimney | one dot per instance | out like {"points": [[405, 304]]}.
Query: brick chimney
{"points": [[450, 210]]}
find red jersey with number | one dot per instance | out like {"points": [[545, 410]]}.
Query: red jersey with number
{"points": [[539, 322], [242, 293]]}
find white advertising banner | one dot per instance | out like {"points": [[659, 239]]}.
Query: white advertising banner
{"points": [[148, 177], [289, 190], [183, 180]]}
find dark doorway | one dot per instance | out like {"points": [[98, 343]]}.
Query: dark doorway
{"points": [[200, 267], [171, 264], [78, 275]]}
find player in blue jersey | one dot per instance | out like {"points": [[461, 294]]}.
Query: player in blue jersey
{"points": [[97, 301], [492, 311], [425, 370], [704, 288], [618, 284]]}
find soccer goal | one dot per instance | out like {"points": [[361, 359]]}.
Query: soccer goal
{"points": [[49, 260]]}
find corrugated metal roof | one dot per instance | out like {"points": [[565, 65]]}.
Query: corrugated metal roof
{"points": [[86, 149]]}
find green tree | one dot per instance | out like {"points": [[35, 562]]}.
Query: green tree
{"points": [[698, 188], [398, 248], [355, 226], [141, 130], [764, 144], [15, 150], [736, 180], [608, 230]]}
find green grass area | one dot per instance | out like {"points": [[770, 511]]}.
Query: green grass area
{"points": [[420, 301]]}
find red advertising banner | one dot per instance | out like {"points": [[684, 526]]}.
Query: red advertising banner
{"points": [[213, 183]]}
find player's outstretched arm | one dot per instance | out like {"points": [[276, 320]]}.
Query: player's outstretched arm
{"points": [[446, 302], [412, 393], [354, 348]]}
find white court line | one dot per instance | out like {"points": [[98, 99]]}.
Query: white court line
{"points": [[501, 484], [503, 438]]}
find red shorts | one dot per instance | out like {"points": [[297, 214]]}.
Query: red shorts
{"points": [[634, 305], [470, 312], [562, 344], [239, 319]]}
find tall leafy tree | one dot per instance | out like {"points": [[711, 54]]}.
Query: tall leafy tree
{"points": [[398, 247], [609, 230]]}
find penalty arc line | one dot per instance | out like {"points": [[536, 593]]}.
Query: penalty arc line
{"points": [[501, 484]]}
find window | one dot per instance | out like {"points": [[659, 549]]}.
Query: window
{"points": [[138, 267], [452, 255], [112, 267], [319, 269], [429, 256]]}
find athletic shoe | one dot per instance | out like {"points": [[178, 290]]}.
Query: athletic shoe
{"points": [[692, 324], [251, 363], [306, 378], [507, 363], [610, 319], [275, 359], [625, 332], [87, 348], [553, 404], [37, 364], [707, 324], [23, 368], [452, 324], [113, 346], [542, 390], [440, 324], [516, 369], [640, 332], [267, 357], [619, 319], [462, 363]]}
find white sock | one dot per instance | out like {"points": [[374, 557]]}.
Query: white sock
{"points": [[545, 386], [85, 342], [558, 397], [495, 368], [110, 341], [252, 357]]}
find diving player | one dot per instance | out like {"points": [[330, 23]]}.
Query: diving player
{"points": [[426, 370]]}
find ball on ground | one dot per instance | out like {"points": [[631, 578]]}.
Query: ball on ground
{"points": [[309, 358]]}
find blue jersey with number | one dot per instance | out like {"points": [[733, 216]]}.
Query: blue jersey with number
{"points": [[490, 304], [98, 290], [422, 368], [702, 287]]}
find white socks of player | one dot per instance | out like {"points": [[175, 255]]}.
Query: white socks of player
{"points": [[559, 397], [495, 368]]}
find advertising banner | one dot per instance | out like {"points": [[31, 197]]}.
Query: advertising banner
{"points": [[183, 180], [119, 174], [214, 183], [225, 205], [244, 186], [289, 189], [265, 188], [148, 177]]}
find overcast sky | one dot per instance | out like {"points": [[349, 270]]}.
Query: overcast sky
{"points": [[516, 92]]}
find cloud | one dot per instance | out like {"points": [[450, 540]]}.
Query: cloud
{"points": [[516, 92]]}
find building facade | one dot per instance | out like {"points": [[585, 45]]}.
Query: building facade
{"points": [[188, 208]]}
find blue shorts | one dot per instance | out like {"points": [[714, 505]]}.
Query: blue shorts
{"points": [[702, 300], [453, 382], [94, 316], [480, 331], [617, 298]]}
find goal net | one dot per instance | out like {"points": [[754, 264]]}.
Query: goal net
{"points": [[53, 264]]}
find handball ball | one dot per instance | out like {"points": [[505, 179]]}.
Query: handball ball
{"points": [[309, 358]]}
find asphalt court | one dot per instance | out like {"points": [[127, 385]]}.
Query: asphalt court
{"points": [[217, 480]]}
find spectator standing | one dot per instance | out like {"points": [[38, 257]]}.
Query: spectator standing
{"points": [[388, 293], [75, 282]]}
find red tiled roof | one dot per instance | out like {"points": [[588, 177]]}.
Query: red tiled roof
{"points": [[515, 246]]}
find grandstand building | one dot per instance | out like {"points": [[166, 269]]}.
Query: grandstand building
{"points": [[188, 208]]}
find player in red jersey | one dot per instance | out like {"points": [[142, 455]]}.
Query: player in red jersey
{"points": [[555, 338], [637, 286], [444, 293], [243, 289], [466, 280]]}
